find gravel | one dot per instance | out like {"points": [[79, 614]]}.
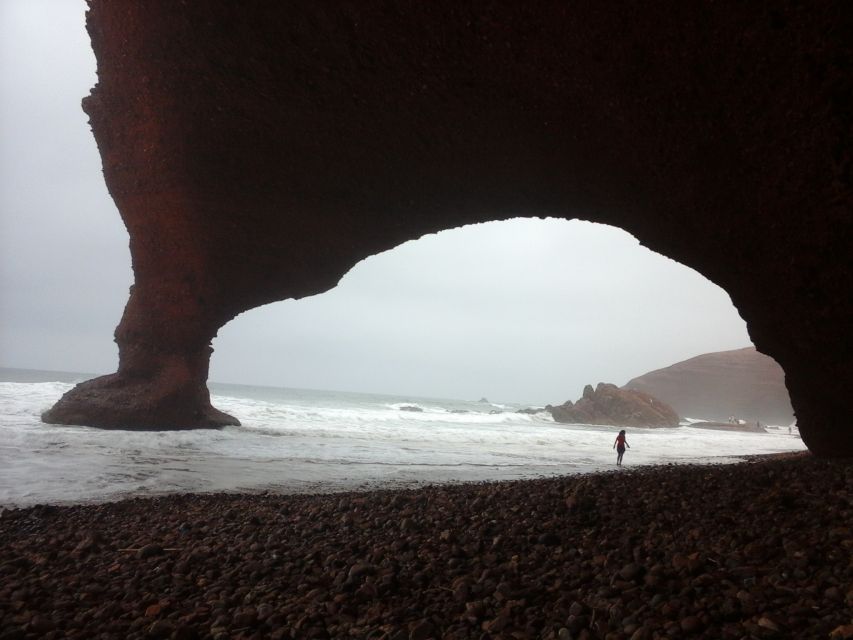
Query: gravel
{"points": [[762, 549]]}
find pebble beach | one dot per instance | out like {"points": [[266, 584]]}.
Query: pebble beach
{"points": [[758, 549]]}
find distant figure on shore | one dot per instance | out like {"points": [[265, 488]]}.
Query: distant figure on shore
{"points": [[620, 445]]}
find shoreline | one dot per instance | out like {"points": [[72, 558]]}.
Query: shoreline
{"points": [[313, 442], [334, 487], [758, 549]]}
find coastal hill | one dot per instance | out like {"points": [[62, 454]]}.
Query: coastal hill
{"points": [[608, 404], [742, 383]]}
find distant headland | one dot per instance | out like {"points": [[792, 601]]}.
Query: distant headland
{"points": [[742, 383], [736, 390]]}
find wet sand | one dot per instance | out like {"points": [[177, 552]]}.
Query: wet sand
{"points": [[761, 549]]}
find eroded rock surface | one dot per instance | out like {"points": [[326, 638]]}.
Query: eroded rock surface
{"points": [[256, 152], [608, 404]]}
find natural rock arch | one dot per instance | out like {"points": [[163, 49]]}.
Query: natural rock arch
{"points": [[256, 153]]}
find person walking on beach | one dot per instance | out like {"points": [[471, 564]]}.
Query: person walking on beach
{"points": [[620, 445]]}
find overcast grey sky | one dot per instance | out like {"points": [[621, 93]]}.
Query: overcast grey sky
{"points": [[525, 311]]}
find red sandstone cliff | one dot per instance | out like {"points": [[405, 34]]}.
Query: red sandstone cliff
{"points": [[742, 383]]}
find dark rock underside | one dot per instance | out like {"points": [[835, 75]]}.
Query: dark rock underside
{"points": [[257, 152]]}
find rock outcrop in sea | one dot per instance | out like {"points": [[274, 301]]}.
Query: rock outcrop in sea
{"points": [[608, 404]]}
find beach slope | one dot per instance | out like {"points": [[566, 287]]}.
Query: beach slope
{"points": [[757, 549]]}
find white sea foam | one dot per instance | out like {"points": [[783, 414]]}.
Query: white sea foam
{"points": [[293, 440]]}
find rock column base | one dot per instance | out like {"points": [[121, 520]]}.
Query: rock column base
{"points": [[134, 403]]}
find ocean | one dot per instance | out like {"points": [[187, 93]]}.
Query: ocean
{"points": [[304, 441]]}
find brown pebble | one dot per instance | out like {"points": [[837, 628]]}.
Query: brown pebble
{"points": [[641, 634], [42, 624], [630, 571], [768, 623], [184, 632], [88, 544], [244, 618], [549, 539], [690, 624], [359, 570], [834, 594], [679, 561], [842, 632], [161, 629], [149, 551], [496, 625], [421, 631]]}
